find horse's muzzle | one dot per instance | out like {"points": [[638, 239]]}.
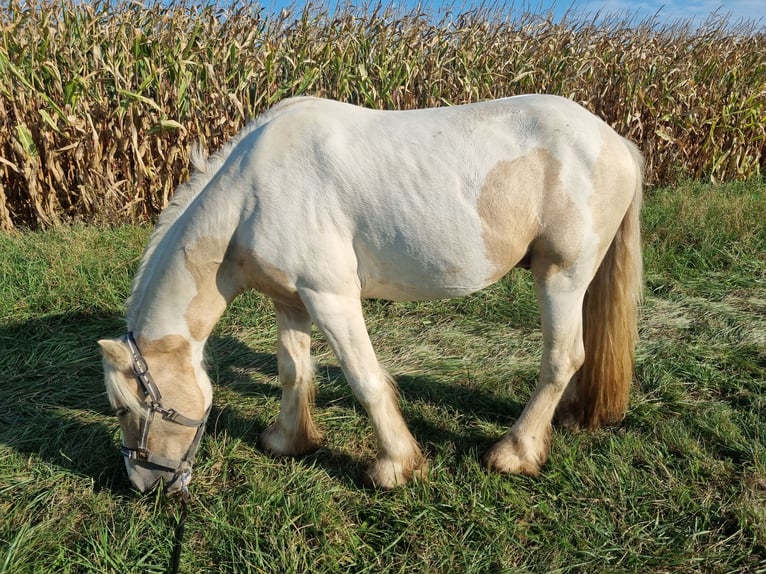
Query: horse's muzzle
{"points": [[147, 479]]}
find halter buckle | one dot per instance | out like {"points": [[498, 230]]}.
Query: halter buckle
{"points": [[138, 454]]}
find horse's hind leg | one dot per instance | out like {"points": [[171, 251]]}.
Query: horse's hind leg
{"points": [[293, 433], [524, 449], [340, 319]]}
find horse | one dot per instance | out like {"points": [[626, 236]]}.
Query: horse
{"points": [[318, 204]]}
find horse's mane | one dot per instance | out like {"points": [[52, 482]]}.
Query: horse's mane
{"points": [[204, 169]]}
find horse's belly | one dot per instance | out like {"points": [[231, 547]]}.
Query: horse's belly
{"points": [[404, 278]]}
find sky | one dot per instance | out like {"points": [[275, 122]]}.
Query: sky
{"points": [[666, 11], [671, 10]]}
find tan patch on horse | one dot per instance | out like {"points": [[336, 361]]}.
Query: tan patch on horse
{"points": [[561, 239], [511, 206], [221, 271], [203, 260], [170, 363], [562, 242], [255, 273]]}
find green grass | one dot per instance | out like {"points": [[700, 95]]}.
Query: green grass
{"points": [[679, 486]]}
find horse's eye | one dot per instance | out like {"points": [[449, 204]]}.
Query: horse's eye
{"points": [[122, 411]]}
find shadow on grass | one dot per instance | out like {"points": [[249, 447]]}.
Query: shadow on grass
{"points": [[52, 395], [240, 368], [53, 404]]}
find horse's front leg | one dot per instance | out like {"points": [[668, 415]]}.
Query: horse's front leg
{"points": [[524, 449], [340, 319], [293, 433]]}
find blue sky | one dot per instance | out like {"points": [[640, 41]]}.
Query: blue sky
{"points": [[670, 10], [666, 10]]}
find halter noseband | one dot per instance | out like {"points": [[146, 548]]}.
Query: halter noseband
{"points": [[153, 401]]}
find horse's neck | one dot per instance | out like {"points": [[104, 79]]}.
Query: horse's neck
{"points": [[183, 291], [174, 308]]}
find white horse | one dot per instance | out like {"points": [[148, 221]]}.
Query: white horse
{"points": [[318, 204]]}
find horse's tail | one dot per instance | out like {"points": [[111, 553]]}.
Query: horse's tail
{"points": [[600, 389]]}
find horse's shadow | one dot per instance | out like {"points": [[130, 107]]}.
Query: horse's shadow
{"points": [[53, 405], [254, 373]]}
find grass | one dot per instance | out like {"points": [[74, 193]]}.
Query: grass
{"points": [[679, 486], [100, 101]]}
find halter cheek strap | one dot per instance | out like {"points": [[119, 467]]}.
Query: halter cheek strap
{"points": [[153, 401]]}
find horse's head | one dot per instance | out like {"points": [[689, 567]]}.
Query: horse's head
{"points": [[160, 406]]}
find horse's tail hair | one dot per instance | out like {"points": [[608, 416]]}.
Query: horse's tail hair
{"points": [[610, 317]]}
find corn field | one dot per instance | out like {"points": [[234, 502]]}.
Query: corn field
{"points": [[100, 102]]}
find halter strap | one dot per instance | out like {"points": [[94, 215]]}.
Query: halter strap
{"points": [[141, 370]]}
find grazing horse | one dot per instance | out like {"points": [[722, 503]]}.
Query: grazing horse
{"points": [[318, 204]]}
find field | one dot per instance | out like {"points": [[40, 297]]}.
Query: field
{"points": [[678, 486]]}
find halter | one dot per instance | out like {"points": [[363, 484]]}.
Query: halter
{"points": [[153, 400]]}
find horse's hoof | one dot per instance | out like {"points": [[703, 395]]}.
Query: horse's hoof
{"points": [[509, 456], [277, 443], [569, 414], [386, 474], [567, 420]]}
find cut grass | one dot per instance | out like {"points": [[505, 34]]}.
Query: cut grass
{"points": [[679, 486]]}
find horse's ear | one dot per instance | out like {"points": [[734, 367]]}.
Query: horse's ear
{"points": [[115, 351]]}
